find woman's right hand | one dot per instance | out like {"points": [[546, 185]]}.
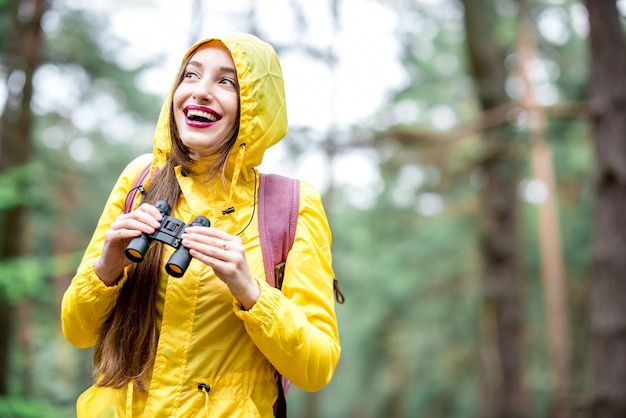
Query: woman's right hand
{"points": [[145, 219]]}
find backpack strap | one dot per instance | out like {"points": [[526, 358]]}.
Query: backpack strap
{"points": [[279, 201], [137, 187]]}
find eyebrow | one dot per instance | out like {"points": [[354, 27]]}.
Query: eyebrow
{"points": [[222, 69]]}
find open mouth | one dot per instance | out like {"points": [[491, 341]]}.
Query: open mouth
{"points": [[203, 116]]}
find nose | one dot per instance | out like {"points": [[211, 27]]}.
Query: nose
{"points": [[203, 91]]}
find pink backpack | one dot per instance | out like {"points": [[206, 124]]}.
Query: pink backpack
{"points": [[278, 204]]}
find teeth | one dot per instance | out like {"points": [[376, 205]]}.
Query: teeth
{"points": [[197, 113]]}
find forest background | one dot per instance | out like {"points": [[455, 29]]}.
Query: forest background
{"points": [[476, 196]]}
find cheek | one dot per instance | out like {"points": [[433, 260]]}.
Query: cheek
{"points": [[177, 104], [176, 99], [233, 106]]}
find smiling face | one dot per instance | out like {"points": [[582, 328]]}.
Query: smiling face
{"points": [[206, 102]]}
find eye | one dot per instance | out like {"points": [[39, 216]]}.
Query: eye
{"points": [[229, 81], [190, 74]]}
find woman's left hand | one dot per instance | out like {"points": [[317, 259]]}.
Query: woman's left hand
{"points": [[226, 254]]}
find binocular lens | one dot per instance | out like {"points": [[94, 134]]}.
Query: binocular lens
{"points": [[134, 254], [174, 270]]}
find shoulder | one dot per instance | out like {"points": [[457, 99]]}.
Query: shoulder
{"points": [[135, 167], [312, 218], [138, 164], [309, 192], [311, 206]]}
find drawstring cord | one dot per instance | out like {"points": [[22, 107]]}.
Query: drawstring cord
{"points": [[129, 399], [230, 210], [205, 389], [236, 172], [238, 164]]}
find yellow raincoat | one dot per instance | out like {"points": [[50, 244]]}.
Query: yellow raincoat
{"points": [[206, 338]]}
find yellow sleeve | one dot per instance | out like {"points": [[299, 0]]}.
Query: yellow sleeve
{"points": [[296, 329], [87, 302]]}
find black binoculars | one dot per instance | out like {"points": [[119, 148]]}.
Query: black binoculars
{"points": [[169, 233]]}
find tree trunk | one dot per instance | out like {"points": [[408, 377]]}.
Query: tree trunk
{"points": [[549, 232], [23, 57], [502, 331], [553, 280], [608, 287]]}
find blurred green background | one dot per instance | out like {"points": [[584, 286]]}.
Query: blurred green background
{"points": [[463, 149]]}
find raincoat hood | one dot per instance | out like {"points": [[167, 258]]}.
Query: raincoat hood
{"points": [[263, 114]]}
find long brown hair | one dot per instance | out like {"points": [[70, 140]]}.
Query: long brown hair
{"points": [[128, 339]]}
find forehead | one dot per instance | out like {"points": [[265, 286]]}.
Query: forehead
{"points": [[212, 54]]}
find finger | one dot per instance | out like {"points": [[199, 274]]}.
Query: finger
{"points": [[226, 267], [142, 224], [211, 232], [148, 214], [210, 246], [124, 233], [143, 219], [214, 246], [152, 210]]}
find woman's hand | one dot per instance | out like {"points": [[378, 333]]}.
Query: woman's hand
{"points": [[146, 218], [226, 254]]}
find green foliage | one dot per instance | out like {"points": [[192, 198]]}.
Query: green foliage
{"points": [[5, 25], [17, 186], [27, 277], [27, 408]]}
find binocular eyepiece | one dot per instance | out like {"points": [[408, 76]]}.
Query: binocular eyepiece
{"points": [[169, 233]]}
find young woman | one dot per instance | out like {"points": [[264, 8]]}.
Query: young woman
{"points": [[208, 343]]}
